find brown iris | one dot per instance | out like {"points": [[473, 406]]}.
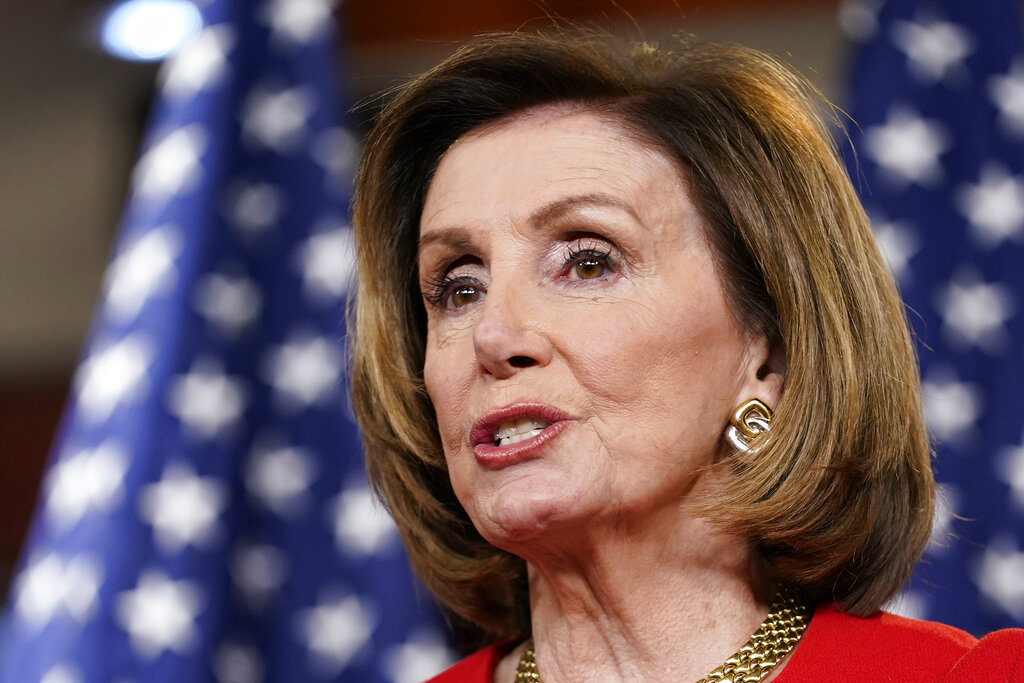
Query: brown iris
{"points": [[589, 269], [464, 295]]}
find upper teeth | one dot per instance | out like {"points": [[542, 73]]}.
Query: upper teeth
{"points": [[514, 431]]}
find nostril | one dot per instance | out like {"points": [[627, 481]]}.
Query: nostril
{"points": [[521, 361]]}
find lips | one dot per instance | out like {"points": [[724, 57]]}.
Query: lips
{"points": [[506, 435]]}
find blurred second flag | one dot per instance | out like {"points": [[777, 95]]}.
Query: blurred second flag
{"points": [[205, 515]]}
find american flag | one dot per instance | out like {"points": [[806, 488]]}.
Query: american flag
{"points": [[937, 96], [205, 515]]}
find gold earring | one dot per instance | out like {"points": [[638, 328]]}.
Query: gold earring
{"points": [[749, 420]]}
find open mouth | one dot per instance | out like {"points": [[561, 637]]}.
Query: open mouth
{"points": [[514, 431]]}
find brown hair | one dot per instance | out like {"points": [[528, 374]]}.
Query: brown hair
{"points": [[840, 499]]}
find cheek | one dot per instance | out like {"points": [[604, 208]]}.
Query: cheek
{"points": [[628, 349], [668, 374], [444, 387], [448, 384]]}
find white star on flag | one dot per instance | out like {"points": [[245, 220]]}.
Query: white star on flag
{"points": [[334, 631], [898, 242], [1010, 469], [951, 407], [159, 614], [1007, 93], [934, 48], [144, 269], [199, 65], [255, 208], [83, 577], [207, 400], [906, 603], [279, 478], [297, 21], [327, 262], [277, 118], [49, 584], [40, 591], [112, 376], [361, 524], [228, 303], [171, 166], [182, 507], [859, 18], [908, 147], [304, 370], [995, 206], [237, 663], [998, 576], [258, 571], [91, 479], [62, 673], [421, 657], [975, 313], [947, 500], [337, 150]]}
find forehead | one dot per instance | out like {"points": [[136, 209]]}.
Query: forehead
{"points": [[540, 157]]}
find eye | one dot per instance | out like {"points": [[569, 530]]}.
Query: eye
{"points": [[589, 263], [463, 295], [452, 293], [589, 268]]}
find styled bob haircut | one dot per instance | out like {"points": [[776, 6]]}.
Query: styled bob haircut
{"points": [[839, 501]]}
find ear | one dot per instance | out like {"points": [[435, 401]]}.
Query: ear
{"points": [[764, 374]]}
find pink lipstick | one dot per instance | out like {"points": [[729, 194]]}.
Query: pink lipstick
{"points": [[515, 432]]}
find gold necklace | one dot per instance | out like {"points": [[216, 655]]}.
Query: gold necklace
{"points": [[775, 638]]}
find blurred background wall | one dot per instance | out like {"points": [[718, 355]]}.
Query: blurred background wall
{"points": [[71, 117]]}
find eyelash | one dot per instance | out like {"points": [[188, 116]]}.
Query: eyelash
{"points": [[575, 256], [439, 289]]}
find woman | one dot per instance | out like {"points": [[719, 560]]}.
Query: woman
{"points": [[633, 379]]}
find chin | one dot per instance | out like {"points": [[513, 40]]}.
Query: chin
{"points": [[524, 514]]}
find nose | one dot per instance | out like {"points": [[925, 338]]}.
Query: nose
{"points": [[509, 335]]}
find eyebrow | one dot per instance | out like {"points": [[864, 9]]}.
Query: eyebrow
{"points": [[458, 237], [566, 206], [455, 237]]}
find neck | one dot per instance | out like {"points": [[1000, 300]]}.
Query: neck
{"points": [[640, 608]]}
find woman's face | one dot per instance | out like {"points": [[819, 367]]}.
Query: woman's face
{"points": [[581, 357]]}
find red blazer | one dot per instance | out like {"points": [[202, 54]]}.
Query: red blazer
{"points": [[838, 648]]}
